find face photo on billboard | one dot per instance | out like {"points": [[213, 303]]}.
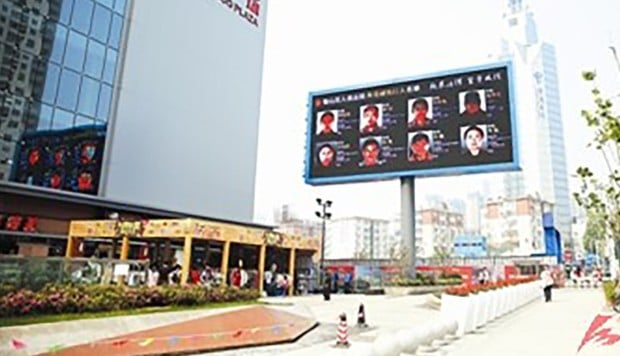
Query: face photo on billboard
{"points": [[472, 102], [327, 122], [474, 140], [420, 111], [370, 150], [325, 155], [420, 146], [371, 118]]}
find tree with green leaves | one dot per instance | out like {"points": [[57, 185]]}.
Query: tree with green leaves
{"points": [[594, 234], [600, 191]]}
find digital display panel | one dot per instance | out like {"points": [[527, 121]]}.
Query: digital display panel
{"points": [[449, 123], [67, 160]]}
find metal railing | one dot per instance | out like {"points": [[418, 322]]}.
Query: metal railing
{"points": [[35, 272]]}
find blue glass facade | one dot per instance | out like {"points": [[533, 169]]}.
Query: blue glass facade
{"points": [[58, 60]]}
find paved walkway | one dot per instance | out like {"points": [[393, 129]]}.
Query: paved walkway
{"points": [[546, 329], [384, 314]]}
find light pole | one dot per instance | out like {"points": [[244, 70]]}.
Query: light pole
{"points": [[324, 215]]}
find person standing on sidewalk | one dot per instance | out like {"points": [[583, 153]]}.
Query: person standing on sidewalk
{"points": [[547, 282]]}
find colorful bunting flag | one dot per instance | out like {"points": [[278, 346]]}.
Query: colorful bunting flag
{"points": [[119, 342], [173, 340], [18, 344], [146, 342]]}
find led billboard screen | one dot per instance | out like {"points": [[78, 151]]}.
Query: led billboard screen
{"points": [[67, 160], [448, 123]]}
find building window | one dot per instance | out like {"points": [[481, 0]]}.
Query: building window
{"points": [[45, 118], [51, 84], [101, 23], [76, 51], [94, 59], [60, 42], [107, 3], [68, 89], [119, 6], [65, 11], [82, 14], [83, 121], [115, 31], [110, 65], [89, 95], [62, 119], [103, 108]]}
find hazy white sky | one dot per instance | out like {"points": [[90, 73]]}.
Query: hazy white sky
{"points": [[323, 44]]}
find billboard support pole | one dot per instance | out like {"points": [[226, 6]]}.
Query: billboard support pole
{"points": [[407, 220]]}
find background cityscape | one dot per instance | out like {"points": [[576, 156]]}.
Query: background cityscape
{"points": [[506, 209], [81, 72]]}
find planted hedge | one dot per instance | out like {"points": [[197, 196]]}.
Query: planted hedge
{"points": [[67, 299], [426, 280], [465, 290]]}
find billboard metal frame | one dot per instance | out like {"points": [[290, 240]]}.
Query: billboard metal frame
{"points": [[432, 172]]}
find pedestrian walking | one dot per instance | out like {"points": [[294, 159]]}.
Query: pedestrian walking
{"points": [[547, 283]]}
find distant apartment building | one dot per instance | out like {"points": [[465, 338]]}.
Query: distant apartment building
{"points": [[303, 228], [473, 213], [436, 228], [358, 237], [514, 226], [287, 222]]}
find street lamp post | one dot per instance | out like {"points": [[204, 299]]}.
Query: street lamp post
{"points": [[324, 215]]}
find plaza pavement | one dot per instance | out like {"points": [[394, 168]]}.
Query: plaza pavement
{"points": [[546, 329], [384, 314]]}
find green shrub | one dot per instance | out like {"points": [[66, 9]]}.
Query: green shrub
{"points": [[64, 299], [6, 289], [425, 280], [613, 298]]}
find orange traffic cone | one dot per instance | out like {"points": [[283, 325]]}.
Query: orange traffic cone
{"points": [[342, 338]]}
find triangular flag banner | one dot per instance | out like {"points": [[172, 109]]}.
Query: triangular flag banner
{"points": [[254, 330], [238, 333], [173, 341], [276, 329], [18, 344], [215, 335], [55, 348], [119, 342], [146, 342]]}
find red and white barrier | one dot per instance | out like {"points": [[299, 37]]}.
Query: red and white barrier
{"points": [[342, 336]]}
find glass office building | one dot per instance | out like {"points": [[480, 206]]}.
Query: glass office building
{"points": [[125, 101], [58, 65]]}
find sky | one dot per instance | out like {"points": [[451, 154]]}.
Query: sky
{"points": [[324, 44]]}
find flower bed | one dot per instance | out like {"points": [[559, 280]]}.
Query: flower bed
{"points": [[474, 306], [66, 299]]}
